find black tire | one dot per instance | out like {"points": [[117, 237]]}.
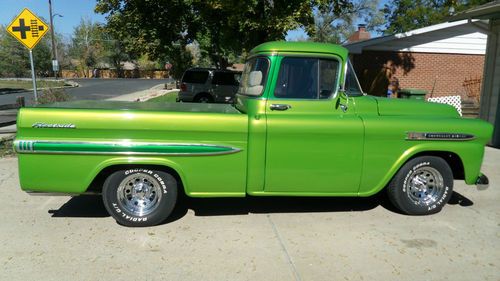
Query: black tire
{"points": [[140, 197], [422, 186], [203, 98]]}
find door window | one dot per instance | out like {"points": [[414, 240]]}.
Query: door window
{"points": [[352, 86], [307, 78]]}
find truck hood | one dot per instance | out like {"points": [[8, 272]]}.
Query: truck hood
{"points": [[144, 106], [398, 107]]}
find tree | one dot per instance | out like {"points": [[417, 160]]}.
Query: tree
{"points": [[14, 57], [331, 27], [114, 53], [87, 45], [405, 15], [224, 29]]}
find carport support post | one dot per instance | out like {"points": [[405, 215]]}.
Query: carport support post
{"points": [[33, 77]]}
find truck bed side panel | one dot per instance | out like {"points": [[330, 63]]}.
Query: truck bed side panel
{"points": [[208, 150]]}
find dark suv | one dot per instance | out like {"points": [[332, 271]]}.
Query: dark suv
{"points": [[209, 85]]}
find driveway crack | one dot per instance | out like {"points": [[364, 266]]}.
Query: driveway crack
{"points": [[283, 247]]}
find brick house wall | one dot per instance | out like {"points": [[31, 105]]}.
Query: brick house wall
{"points": [[445, 73]]}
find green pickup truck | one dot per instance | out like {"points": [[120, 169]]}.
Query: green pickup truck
{"points": [[300, 126]]}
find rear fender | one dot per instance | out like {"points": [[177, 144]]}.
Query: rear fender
{"points": [[138, 161]]}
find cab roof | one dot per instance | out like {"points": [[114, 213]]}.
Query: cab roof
{"points": [[299, 47]]}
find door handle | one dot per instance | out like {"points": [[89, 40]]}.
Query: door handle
{"points": [[280, 107]]}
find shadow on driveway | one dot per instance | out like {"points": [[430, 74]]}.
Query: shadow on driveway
{"points": [[92, 206]]}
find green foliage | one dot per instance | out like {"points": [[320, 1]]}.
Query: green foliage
{"points": [[87, 45], [181, 59], [53, 95], [93, 47], [405, 15], [144, 63], [333, 27], [224, 29], [14, 57]]}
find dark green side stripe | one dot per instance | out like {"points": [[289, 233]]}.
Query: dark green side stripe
{"points": [[55, 147]]}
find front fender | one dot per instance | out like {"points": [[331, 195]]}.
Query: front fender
{"points": [[470, 153]]}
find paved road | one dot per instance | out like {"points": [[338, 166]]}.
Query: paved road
{"points": [[49, 238], [96, 89]]}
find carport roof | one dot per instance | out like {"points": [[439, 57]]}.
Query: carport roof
{"points": [[487, 11], [360, 46]]}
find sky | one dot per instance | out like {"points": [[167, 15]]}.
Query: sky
{"points": [[71, 10]]}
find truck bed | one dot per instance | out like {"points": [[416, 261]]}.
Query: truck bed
{"points": [[62, 142], [145, 106]]}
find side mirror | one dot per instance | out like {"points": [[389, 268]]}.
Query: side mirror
{"points": [[342, 101]]}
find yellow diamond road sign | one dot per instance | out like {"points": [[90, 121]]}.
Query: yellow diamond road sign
{"points": [[27, 28]]}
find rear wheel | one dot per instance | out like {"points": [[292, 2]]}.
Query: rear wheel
{"points": [[140, 197], [422, 186], [204, 98]]}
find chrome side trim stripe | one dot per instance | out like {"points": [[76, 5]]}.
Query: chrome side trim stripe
{"points": [[439, 136], [120, 148]]}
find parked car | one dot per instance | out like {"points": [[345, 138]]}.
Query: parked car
{"points": [[300, 126], [207, 85]]}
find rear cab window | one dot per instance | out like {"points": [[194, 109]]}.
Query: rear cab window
{"points": [[254, 77]]}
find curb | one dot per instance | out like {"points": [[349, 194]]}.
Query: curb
{"points": [[72, 84], [144, 95]]}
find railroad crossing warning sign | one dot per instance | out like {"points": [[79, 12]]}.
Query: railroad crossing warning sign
{"points": [[27, 28]]}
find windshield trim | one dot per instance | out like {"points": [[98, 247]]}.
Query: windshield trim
{"points": [[349, 64]]}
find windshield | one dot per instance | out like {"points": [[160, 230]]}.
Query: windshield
{"points": [[254, 77]]}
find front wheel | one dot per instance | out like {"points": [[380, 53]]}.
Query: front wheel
{"points": [[140, 197], [422, 186]]}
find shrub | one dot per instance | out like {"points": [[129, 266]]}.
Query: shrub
{"points": [[53, 95]]}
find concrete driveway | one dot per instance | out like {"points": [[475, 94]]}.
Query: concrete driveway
{"points": [[63, 238]]}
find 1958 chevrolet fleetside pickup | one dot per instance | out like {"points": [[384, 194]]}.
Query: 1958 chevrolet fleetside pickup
{"points": [[300, 126]]}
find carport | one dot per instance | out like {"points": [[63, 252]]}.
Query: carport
{"points": [[490, 92]]}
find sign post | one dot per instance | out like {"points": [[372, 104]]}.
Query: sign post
{"points": [[33, 76], [28, 29]]}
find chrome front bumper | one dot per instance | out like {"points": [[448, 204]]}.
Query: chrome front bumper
{"points": [[482, 182]]}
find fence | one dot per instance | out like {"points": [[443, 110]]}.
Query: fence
{"points": [[112, 73]]}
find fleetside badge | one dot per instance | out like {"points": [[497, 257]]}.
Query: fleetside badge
{"points": [[57, 126]]}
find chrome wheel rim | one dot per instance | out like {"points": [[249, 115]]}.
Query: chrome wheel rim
{"points": [[425, 186], [140, 194]]}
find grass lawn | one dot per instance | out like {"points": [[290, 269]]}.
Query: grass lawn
{"points": [[170, 97], [27, 84]]}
